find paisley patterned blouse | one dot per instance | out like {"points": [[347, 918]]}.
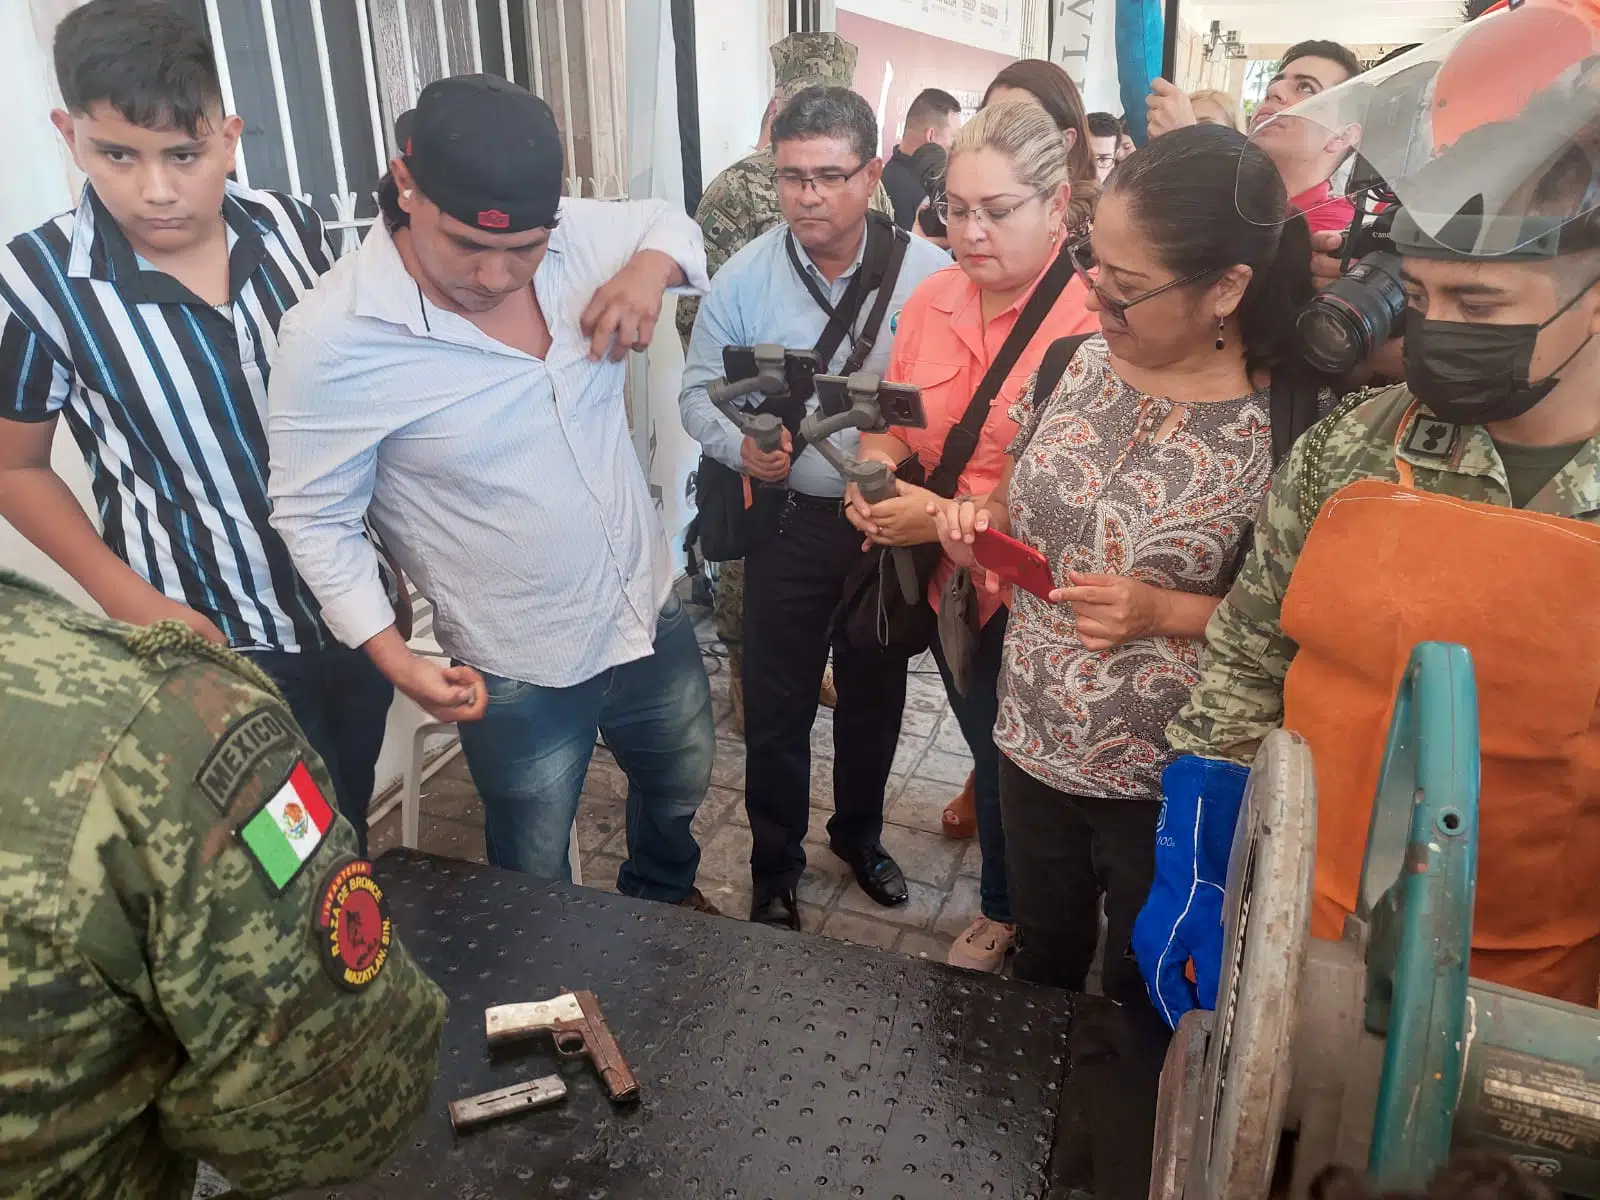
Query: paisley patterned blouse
{"points": [[1093, 491]]}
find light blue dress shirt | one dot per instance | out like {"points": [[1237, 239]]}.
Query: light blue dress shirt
{"points": [[758, 296], [507, 486]]}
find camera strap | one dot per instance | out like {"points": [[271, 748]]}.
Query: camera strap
{"points": [[881, 259], [962, 441]]}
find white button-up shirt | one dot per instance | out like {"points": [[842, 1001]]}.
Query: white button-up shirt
{"points": [[506, 486]]}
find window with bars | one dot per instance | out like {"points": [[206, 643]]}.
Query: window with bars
{"points": [[319, 84]]}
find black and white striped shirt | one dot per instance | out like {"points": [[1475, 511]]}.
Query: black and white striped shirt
{"points": [[167, 398]]}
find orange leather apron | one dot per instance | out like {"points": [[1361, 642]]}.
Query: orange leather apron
{"points": [[1386, 566]]}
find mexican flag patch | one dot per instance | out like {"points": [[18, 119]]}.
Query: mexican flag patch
{"points": [[288, 828]]}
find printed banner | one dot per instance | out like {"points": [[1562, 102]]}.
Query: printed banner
{"points": [[1074, 25], [984, 24]]}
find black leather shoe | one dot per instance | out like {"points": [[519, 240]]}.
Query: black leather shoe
{"points": [[779, 908], [877, 873]]}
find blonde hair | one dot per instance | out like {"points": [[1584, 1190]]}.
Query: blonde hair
{"points": [[1222, 100], [1024, 133]]}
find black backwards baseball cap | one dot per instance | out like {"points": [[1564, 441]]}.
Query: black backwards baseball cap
{"points": [[485, 151]]}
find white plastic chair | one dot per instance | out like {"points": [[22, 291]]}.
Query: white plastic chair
{"points": [[416, 773]]}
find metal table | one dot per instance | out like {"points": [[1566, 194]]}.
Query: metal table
{"points": [[770, 1064]]}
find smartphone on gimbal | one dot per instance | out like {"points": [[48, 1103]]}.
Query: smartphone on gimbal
{"points": [[900, 403], [799, 366]]}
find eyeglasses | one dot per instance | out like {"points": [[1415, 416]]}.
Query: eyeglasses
{"points": [[1082, 259], [987, 216], [824, 183]]}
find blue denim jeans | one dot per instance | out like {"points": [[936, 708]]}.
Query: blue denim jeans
{"points": [[530, 752], [342, 704], [976, 713]]}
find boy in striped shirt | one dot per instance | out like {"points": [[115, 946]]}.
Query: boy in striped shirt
{"points": [[149, 317]]}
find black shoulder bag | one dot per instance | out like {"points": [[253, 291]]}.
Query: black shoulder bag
{"points": [[872, 611], [733, 513]]}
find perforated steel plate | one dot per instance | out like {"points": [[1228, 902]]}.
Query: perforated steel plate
{"points": [[770, 1064]]}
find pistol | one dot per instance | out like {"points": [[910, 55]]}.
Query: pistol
{"points": [[576, 1024]]}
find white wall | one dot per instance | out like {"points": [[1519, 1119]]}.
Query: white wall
{"points": [[37, 184], [734, 69], [1102, 91]]}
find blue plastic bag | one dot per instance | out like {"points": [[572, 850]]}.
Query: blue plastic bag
{"points": [[1181, 921], [1139, 47]]}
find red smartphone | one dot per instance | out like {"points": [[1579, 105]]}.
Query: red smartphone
{"points": [[1014, 562]]}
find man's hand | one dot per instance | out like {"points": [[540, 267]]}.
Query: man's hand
{"points": [[622, 314], [768, 466], [1326, 251], [445, 693], [146, 606], [1111, 609], [1167, 107]]}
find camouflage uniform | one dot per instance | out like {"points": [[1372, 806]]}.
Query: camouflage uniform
{"points": [[1240, 695], [168, 989], [740, 205]]}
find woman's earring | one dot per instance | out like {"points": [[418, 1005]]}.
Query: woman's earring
{"points": [[407, 195], [1221, 323]]}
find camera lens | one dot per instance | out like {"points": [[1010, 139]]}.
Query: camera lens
{"points": [[1342, 325]]}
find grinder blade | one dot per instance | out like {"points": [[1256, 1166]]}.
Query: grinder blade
{"points": [[1267, 926]]}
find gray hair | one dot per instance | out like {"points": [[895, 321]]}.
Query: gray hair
{"points": [[828, 112]]}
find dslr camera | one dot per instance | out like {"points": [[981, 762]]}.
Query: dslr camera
{"points": [[1358, 312]]}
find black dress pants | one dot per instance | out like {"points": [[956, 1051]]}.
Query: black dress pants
{"points": [[793, 583], [1062, 853]]}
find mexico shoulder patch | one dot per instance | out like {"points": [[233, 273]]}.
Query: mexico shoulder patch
{"points": [[285, 831], [248, 740], [353, 927]]}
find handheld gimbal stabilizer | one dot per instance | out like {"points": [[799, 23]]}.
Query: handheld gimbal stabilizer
{"points": [[765, 429], [770, 372], [863, 401]]}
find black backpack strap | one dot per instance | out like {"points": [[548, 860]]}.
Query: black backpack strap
{"points": [[842, 319], [880, 266], [1054, 365], [1292, 405], [962, 441], [884, 282]]}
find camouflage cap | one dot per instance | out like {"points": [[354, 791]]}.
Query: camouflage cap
{"points": [[805, 60]]}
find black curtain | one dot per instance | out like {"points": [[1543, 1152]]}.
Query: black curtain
{"points": [[688, 100]]}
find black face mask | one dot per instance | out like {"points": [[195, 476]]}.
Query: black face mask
{"points": [[1476, 374]]}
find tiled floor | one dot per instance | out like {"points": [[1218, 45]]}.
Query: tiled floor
{"points": [[929, 769]]}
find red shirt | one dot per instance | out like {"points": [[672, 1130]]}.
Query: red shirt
{"points": [[1323, 210]]}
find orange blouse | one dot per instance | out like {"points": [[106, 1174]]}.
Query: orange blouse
{"points": [[942, 345]]}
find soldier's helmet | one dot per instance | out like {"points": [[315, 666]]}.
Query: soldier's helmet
{"points": [[804, 60]]}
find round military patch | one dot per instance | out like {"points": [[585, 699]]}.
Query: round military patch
{"points": [[353, 927]]}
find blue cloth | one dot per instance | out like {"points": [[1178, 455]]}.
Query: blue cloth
{"points": [[758, 296], [1182, 919], [1139, 31], [530, 752]]}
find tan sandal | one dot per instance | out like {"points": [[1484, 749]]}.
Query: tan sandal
{"points": [[960, 818]]}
